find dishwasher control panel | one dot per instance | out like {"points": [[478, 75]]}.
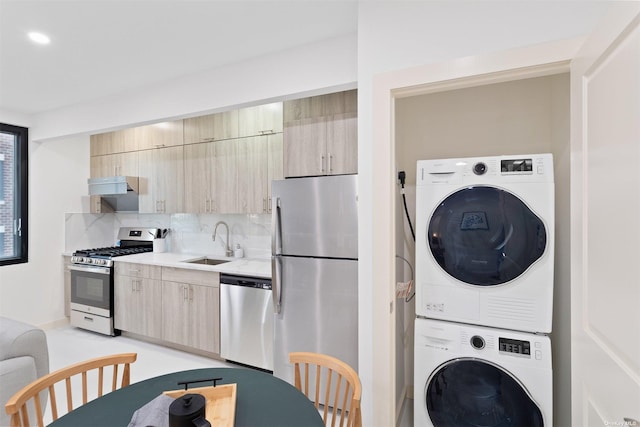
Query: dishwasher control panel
{"points": [[246, 281]]}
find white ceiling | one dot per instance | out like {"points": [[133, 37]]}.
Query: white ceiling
{"points": [[104, 47]]}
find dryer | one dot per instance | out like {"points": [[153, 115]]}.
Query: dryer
{"points": [[485, 241], [477, 376]]}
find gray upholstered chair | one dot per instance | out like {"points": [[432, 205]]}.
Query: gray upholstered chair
{"points": [[24, 357]]}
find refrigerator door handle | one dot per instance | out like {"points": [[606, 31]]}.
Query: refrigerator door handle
{"points": [[276, 291], [276, 227], [276, 234]]}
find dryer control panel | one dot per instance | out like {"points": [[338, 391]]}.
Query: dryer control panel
{"points": [[514, 346]]}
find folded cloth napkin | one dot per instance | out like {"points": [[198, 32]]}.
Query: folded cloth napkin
{"points": [[153, 414]]}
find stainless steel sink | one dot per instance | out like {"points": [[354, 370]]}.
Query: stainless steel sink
{"points": [[206, 261]]}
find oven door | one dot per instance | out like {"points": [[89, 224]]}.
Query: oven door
{"points": [[91, 289]]}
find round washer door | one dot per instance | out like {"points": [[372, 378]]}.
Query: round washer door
{"points": [[485, 236], [473, 392]]}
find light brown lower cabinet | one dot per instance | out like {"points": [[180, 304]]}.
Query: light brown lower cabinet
{"points": [[138, 299], [67, 285], [191, 308], [180, 306]]}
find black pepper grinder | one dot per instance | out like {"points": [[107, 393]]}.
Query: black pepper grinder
{"points": [[188, 411]]}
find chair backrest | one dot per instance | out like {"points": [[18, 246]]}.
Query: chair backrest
{"points": [[16, 407], [339, 390]]}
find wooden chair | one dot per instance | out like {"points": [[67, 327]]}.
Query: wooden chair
{"points": [[341, 389], [16, 407]]}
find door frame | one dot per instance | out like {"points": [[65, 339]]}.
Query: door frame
{"points": [[521, 63]]}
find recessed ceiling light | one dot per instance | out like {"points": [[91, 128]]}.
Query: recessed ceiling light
{"points": [[39, 38]]}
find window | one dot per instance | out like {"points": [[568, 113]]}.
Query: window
{"points": [[13, 194]]}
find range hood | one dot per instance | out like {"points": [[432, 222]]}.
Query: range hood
{"points": [[120, 192]]}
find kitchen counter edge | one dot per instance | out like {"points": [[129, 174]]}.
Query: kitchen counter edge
{"points": [[254, 267]]}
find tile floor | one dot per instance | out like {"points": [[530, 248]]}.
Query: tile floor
{"points": [[68, 345]]}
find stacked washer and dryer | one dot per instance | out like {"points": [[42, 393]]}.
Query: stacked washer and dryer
{"points": [[484, 291]]}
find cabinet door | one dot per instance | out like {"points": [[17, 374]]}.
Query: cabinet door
{"points": [[342, 144], [253, 163], [110, 165], [118, 141], [191, 315], [304, 147], [260, 120], [161, 182], [114, 164], [159, 135], [212, 127], [198, 177], [276, 164], [175, 312], [204, 318], [67, 285], [137, 305], [224, 191]]}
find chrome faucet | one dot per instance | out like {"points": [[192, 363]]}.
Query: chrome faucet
{"points": [[228, 251]]}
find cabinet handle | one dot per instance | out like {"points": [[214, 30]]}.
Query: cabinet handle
{"points": [[133, 285], [269, 205], [330, 169], [190, 293], [207, 205], [159, 145], [322, 163], [264, 204]]}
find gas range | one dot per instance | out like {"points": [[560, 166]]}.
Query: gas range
{"points": [[131, 241], [92, 278], [103, 256]]}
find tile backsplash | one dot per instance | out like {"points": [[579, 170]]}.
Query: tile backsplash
{"points": [[189, 233]]}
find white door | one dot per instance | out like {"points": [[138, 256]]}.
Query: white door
{"points": [[605, 234]]}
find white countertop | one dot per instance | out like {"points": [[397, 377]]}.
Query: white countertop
{"points": [[256, 267]]}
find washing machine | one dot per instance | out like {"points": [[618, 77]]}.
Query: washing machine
{"points": [[478, 376], [485, 241]]}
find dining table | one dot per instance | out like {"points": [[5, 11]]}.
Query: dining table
{"points": [[261, 400]]}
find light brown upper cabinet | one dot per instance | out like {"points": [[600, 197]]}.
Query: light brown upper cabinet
{"points": [[161, 180], [224, 192], [321, 135], [111, 165], [260, 120], [211, 177], [199, 177], [119, 141], [159, 135], [212, 127], [259, 162], [114, 164]]}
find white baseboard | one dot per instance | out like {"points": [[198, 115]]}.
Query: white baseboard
{"points": [[55, 324]]}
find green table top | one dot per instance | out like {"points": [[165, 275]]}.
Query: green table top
{"points": [[261, 400]]}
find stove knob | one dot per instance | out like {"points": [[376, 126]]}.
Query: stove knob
{"points": [[98, 261]]}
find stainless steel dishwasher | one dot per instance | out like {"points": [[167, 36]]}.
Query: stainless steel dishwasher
{"points": [[246, 320]]}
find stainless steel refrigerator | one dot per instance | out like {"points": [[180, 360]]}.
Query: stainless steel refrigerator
{"points": [[315, 269]]}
